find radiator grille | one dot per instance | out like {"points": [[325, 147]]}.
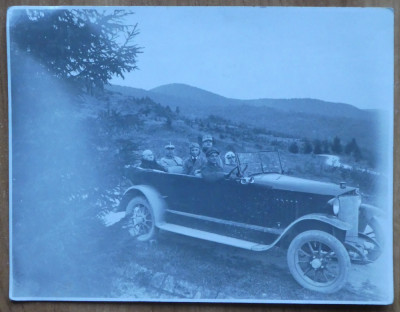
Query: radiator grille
{"points": [[349, 206]]}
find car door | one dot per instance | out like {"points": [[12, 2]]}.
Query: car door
{"points": [[241, 210], [248, 203]]}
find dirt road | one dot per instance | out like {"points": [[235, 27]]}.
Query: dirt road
{"points": [[180, 268]]}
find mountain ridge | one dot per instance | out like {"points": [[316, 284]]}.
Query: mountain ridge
{"points": [[179, 94], [303, 118]]}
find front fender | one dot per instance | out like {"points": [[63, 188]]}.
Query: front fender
{"points": [[331, 220], [370, 211], [303, 224], [154, 198]]}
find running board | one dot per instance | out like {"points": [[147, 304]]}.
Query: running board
{"points": [[212, 237]]}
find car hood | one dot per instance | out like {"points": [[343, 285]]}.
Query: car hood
{"points": [[283, 182]]}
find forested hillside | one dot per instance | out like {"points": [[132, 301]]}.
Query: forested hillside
{"points": [[304, 118]]}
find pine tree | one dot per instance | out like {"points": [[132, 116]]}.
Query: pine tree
{"points": [[317, 147], [357, 154], [336, 146], [293, 148], [85, 47], [307, 147], [325, 147], [353, 149], [349, 148]]}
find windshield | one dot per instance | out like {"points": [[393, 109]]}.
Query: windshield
{"points": [[261, 162]]}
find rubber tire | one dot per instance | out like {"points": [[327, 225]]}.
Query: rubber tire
{"points": [[333, 243], [140, 200], [376, 226]]}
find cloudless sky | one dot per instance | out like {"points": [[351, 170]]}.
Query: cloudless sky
{"points": [[334, 54]]}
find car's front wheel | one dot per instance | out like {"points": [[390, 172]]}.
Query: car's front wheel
{"points": [[318, 261], [140, 218]]}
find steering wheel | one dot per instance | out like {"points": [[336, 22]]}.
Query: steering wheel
{"points": [[238, 171], [245, 168], [227, 176]]}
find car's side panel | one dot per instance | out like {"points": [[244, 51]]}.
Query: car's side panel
{"points": [[181, 192], [247, 211]]}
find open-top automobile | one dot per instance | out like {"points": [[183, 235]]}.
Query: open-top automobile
{"points": [[323, 226]]}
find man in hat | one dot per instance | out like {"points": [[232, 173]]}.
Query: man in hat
{"points": [[195, 162], [171, 162], [213, 171], [207, 142], [149, 161]]}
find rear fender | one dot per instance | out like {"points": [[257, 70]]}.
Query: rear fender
{"points": [[154, 198], [314, 221]]}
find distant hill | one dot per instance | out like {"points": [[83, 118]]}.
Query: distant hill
{"points": [[310, 118], [195, 101], [309, 106]]}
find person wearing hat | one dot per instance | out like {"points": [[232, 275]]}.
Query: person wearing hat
{"points": [[230, 161], [212, 171], [149, 162], [171, 162], [195, 162], [230, 158], [207, 142]]}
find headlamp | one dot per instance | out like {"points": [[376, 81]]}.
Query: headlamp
{"points": [[336, 206]]}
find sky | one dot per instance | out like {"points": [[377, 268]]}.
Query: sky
{"points": [[334, 54]]}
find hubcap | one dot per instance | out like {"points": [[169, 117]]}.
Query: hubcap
{"points": [[141, 221], [316, 263]]}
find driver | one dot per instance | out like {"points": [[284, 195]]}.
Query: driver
{"points": [[212, 171], [207, 143]]}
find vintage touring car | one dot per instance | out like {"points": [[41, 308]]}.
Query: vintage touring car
{"points": [[324, 226]]}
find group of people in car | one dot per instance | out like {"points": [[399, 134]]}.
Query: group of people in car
{"points": [[204, 161]]}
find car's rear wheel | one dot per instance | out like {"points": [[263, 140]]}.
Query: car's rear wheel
{"points": [[318, 261], [140, 218]]}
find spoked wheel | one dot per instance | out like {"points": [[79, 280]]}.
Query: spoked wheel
{"points": [[318, 261], [140, 219], [372, 234]]}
